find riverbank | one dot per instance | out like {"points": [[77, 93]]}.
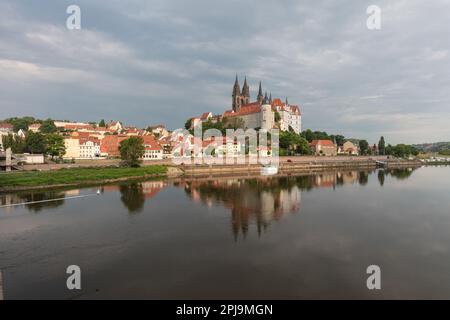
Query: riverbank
{"points": [[25, 180], [82, 176], [308, 165]]}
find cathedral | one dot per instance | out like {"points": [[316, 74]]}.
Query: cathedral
{"points": [[261, 113]]}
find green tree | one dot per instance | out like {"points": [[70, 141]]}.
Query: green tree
{"points": [[102, 123], [277, 117], [381, 146], [131, 151], [14, 142], [55, 146], [363, 147], [35, 142], [20, 123], [47, 126], [188, 124]]}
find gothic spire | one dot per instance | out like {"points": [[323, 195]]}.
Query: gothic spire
{"points": [[246, 89], [270, 98], [236, 87], [260, 97], [287, 103]]}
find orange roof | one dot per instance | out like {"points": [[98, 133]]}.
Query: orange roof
{"points": [[205, 115], [328, 143], [150, 143], [250, 108]]}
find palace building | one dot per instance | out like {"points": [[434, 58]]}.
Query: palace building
{"points": [[260, 114]]}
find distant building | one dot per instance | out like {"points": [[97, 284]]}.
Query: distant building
{"points": [[34, 127], [349, 148], [153, 151], [323, 147], [6, 127], [109, 145]]}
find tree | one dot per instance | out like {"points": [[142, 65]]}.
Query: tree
{"points": [[188, 123], [48, 126], [102, 123], [14, 142], [131, 151], [55, 146], [363, 147], [381, 146], [290, 142], [277, 117], [20, 123], [35, 142], [340, 139]]}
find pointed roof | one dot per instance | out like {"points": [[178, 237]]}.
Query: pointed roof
{"points": [[260, 94], [236, 87], [246, 88]]}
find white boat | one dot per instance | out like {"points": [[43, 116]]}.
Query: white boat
{"points": [[269, 170]]}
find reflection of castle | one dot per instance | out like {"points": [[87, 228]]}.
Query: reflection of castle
{"points": [[254, 201]]}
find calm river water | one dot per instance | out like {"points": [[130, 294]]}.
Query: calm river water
{"points": [[275, 237]]}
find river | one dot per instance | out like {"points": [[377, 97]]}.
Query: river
{"points": [[290, 237]]}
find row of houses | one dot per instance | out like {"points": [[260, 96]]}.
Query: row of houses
{"points": [[330, 148], [85, 142]]}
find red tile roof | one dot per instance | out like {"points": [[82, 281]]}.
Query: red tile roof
{"points": [[250, 108], [328, 143], [150, 143], [205, 116], [6, 125]]}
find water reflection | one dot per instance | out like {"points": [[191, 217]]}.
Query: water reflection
{"points": [[260, 199]]}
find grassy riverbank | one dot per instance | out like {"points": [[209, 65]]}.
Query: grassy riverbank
{"points": [[74, 176]]}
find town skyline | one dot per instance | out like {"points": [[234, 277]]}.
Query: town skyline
{"points": [[165, 62]]}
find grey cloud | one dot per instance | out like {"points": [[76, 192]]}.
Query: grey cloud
{"points": [[162, 61]]}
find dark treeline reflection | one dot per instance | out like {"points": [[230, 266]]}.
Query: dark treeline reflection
{"points": [[35, 201]]}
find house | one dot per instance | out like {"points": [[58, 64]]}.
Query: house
{"points": [[349, 148], [109, 145], [323, 147], [206, 116], [153, 151], [89, 148], [159, 130], [21, 133], [72, 144], [6, 127], [116, 126], [34, 127]]}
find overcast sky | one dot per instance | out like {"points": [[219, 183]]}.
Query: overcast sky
{"points": [[149, 62]]}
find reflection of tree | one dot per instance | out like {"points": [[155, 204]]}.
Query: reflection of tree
{"points": [[363, 178], [401, 174], [132, 196], [33, 196], [381, 176]]}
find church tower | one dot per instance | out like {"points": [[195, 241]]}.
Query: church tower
{"points": [[236, 96], [245, 93], [260, 96], [240, 99]]}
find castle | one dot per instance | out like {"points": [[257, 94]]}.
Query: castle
{"points": [[264, 113], [261, 113]]}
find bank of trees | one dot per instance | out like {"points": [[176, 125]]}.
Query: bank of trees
{"points": [[35, 143]]}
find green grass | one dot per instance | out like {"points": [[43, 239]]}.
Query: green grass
{"points": [[75, 175]]}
